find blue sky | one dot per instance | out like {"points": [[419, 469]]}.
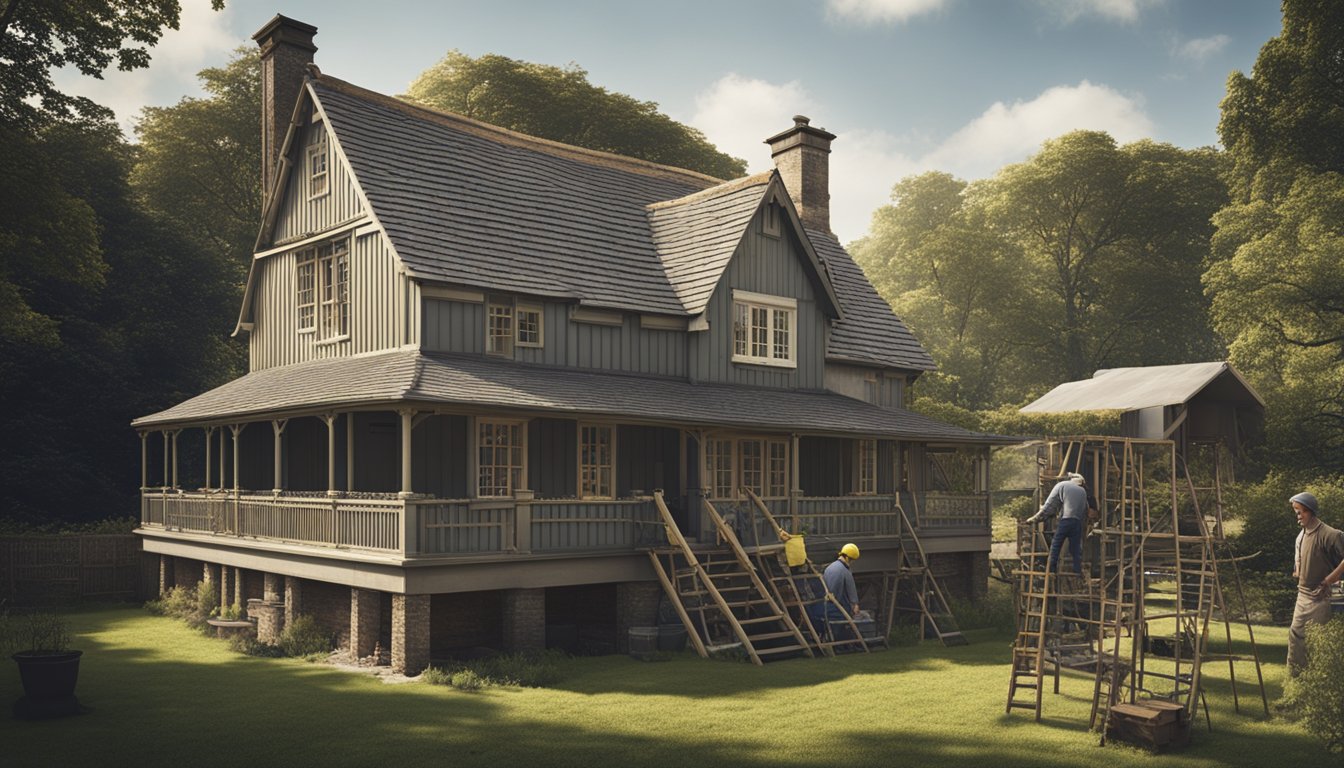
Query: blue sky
{"points": [[963, 86]]}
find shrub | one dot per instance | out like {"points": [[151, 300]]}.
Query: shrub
{"points": [[524, 670], [178, 602], [1317, 694], [1269, 596], [207, 602], [467, 680], [905, 634], [994, 611], [233, 612], [251, 646], [303, 637], [436, 676], [1269, 526]]}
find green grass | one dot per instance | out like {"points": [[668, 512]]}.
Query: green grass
{"points": [[159, 694]]}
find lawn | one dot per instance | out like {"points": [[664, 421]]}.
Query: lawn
{"points": [[159, 693]]}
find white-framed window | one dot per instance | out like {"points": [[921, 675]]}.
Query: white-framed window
{"points": [[500, 450], [719, 468], [499, 328], [305, 280], [752, 462], [776, 468], [318, 171], [865, 467], [763, 329], [764, 466], [530, 331], [322, 289], [597, 461]]}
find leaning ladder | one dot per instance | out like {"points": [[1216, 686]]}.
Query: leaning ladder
{"points": [[935, 614], [1032, 596]]}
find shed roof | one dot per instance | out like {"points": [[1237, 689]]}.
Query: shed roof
{"points": [[1127, 389], [408, 376]]}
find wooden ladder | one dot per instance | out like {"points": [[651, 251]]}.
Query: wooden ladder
{"points": [[1028, 670], [751, 619], [802, 587], [935, 614]]}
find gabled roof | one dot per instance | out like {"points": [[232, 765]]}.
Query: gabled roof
{"points": [[409, 376], [870, 333], [467, 203], [1127, 389]]}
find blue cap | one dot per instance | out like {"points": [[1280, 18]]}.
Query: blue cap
{"points": [[1305, 499]]}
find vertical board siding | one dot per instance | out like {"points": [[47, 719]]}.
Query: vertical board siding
{"points": [[374, 320], [552, 457], [593, 525], [459, 527], [439, 448], [298, 216], [772, 266]]}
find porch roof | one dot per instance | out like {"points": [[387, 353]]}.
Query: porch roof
{"points": [[413, 377]]}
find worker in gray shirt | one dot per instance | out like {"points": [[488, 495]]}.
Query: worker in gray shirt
{"points": [[1071, 501], [840, 582]]}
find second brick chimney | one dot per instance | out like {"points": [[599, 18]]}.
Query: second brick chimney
{"points": [[286, 51], [802, 156]]}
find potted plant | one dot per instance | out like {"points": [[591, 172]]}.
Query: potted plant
{"points": [[47, 666]]}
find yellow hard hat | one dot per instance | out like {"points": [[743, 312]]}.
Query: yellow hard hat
{"points": [[851, 551]]}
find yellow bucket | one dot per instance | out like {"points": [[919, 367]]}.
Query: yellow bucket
{"points": [[795, 550]]}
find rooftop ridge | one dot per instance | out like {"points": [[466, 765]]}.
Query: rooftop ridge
{"points": [[514, 138], [710, 192]]}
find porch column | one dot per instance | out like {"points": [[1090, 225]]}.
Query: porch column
{"points": [[278, 426], [209, 436], [167, 457], [350, 451], [365, 619], [410, 633], [794, 490], [225, 593], [407, 424], [176, 432], [524, 619], [238, 586], [165, 574], [235, 429], [271, 586], [330, 420], [221, 458], [144, 461]]}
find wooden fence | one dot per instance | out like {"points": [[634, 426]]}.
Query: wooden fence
{"points": [[43, 569]]}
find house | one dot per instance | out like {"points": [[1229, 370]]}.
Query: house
{"points": [[1194, 404], [474, 356]]}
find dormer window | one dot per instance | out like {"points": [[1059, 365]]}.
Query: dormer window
{"points": [[322, 283], [529, 325], [317, 168], [764, 329], [499, 328]]}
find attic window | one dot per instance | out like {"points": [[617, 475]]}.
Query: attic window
{"points": [[770, 219], [499, 328], [529, 326], [763, 329], [317, 169]]}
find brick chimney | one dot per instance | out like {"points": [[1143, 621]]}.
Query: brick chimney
{"points": [[801, 155], [286, 51]]}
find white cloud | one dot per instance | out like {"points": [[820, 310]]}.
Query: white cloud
{"points": [[202, 39], [880, 11], [1200, 49], [1069, 11], [737, 114]]}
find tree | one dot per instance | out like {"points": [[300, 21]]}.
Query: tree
{"points": [[1088, 255], [1276, 276], [198, 161], [37, 36], [560, 104], [954, 281]]}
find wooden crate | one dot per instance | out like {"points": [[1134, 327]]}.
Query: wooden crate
{"points": [[1153, 724]]}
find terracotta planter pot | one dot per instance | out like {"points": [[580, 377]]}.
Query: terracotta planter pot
{"points": [[48, 676]]}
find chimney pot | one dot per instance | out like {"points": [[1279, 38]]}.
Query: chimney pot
{"points": [[286, 53]]}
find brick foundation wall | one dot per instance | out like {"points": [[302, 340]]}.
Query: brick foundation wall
{"points": [[293, 598], [962, 575], [524, 619], [329, 606], [365, 621], [636, 606], [465, 620], [411, 620], [270, 618], [186, 573]]}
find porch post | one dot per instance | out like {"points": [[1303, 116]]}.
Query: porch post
{"points": [[167, 457], [221, 458], [350, 451], [209, 436], [794, 490], [330, 419], [235, 429], [407, 417], [278, 426], [144, 460], [176, 432]]}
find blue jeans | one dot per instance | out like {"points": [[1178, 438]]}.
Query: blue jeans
{"points": [[1070, 529]]}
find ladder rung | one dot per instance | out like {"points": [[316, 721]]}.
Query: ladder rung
{"points": [[761, 620]]}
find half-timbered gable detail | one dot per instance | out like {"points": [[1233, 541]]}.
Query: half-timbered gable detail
{"points": [[484, 366]]}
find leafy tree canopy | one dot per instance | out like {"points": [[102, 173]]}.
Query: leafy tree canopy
{"points": [[38, 36], [560, 104]]}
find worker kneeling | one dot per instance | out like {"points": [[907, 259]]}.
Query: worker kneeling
{"points": [[839, 582]]}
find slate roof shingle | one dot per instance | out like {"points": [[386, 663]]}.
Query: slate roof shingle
{"points": [[407, 376]]}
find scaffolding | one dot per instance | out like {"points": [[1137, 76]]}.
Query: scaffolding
{"points": [[1143, 619]]}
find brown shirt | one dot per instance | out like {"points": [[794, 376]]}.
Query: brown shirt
{"points": [[1318, 552]]}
